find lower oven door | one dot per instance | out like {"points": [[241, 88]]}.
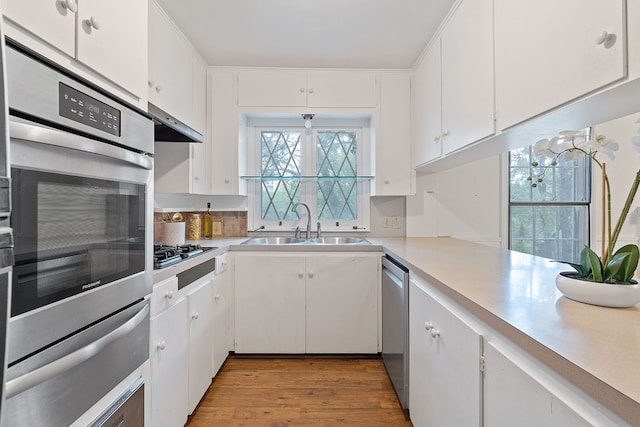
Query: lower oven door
{"points": [[57, 385]]}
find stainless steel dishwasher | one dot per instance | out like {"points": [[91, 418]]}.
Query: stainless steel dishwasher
{"points": [[395, 326]]}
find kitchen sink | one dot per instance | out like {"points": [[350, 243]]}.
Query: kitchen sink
{"points": [[318, 241], [273, 241], [337, 240]]}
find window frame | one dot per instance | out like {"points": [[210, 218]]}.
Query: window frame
{"points": [[542, 204], [308, 165]]}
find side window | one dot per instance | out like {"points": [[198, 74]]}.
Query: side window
{"points": [[548, 205]]}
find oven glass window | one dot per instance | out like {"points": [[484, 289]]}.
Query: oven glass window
{"points": [[72, 234]]}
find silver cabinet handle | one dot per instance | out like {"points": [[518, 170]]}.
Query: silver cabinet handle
{"points": [[49, 136], [71, 360]]}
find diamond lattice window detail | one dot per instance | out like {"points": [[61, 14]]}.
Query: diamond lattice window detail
{"points": [[336, 157], [280, 163]]}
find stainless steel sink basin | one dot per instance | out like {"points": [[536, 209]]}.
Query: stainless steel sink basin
{"points": [[272, 241], [337, 240]]}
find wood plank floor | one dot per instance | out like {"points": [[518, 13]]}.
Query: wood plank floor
{"points": [[305, 391]]}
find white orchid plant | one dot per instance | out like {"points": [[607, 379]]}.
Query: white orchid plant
{"points": [[612, 267]]}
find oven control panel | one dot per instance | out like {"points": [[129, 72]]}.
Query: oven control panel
{"points": [[82, 108]]}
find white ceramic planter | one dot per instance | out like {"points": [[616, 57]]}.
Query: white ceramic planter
{"points": [[603, 294]]}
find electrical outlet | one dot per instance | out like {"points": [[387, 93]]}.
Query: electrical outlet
{"points": [[387, 222], [395, 222]]}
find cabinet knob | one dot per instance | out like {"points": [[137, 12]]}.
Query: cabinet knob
{"points": [[300, 274], [226, 180], [311, 274], [445, 133], [69, 4], [428, 326], [301, 90], [150, 83], [386, 181], [606, 39], [310, 90], [436, 138], [435, 333], [195, 315], [158, 88], [168, 294], [216, 297], [92, 22], [161, 345]]}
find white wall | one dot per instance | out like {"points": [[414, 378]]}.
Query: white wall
{"points": [[621, 174], [464, 202]]}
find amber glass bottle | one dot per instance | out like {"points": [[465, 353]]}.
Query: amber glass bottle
{"points": [[208, 227]]}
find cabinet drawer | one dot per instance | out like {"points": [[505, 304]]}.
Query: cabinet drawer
{"points": [[164, 295]]}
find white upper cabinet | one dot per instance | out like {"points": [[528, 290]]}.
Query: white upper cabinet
{"points": [[108, 37], [427, 107], [292, 88], [579, 48], [393, 136], [112, 39], [51, 20], [467, 75], [170, 67]]}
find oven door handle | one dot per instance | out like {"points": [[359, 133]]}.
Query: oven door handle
{"points": [[71, 360], [45, 135]]}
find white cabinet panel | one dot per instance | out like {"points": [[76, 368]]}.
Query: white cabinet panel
{"points": [[112, 39], [269, 304], [273, 88], [341, 304], [170, 66], [539, 67], [427, 107], [200, 320], [341, 89], [221, 308], [393, 137], [47, 19], [467, 75], [445, 377], [169, 368], [199, 94]]}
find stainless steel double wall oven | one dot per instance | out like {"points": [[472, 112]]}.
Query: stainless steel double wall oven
{"points": [[81, 173]]}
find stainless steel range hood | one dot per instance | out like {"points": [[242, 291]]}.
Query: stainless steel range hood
{"points": [[169, 129]]}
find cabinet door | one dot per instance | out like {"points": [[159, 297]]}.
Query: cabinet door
{"points": [[223, 133], [467, 75], [538, 68], [169, 367], [427, 107], [445, 375], [341, 89], [393, 140], [112, 39], [272, 88], [200, 318], [47, 19], [220, 330], [341, 300], [170, 66], [269, 304], [513, 398]]}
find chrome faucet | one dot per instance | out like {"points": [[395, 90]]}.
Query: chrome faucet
{"points": [[318, 230], [295, 207]]}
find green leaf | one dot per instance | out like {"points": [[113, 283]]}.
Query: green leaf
{"points": [[623, 264], [584, 268], [595, 265]]}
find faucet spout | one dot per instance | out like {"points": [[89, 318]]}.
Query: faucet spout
{"points": [[295, 207]]}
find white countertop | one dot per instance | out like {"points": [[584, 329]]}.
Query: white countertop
{"points": [[595, 348]]}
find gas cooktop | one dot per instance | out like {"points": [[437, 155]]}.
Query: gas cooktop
{"points": [[165, 255]]}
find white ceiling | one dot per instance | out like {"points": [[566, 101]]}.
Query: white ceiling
{"points": [[309, 34]]}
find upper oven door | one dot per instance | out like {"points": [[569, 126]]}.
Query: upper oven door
{"points": [[81, 230]]}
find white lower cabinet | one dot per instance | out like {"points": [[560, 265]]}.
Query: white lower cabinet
{"points": [[445, 353], [221, 293], [342, 304], [200, 318], [169, 367], [293, 303]]}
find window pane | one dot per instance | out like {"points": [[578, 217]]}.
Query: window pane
{"points": [[280, 158], [336, 157]]}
